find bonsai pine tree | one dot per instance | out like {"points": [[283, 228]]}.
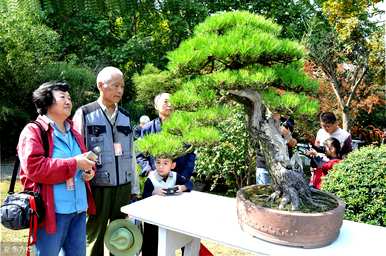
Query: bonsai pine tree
{"points": [[234, 56]]}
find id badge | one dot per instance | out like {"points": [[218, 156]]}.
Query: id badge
{"points": [[118, 149]]}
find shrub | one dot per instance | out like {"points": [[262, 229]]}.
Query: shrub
{"points": [[81, 79], [225, 167], [360, 180], [26, 46]]}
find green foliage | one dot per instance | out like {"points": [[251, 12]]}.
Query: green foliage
{"points": [[360, 180], [191, 97], [232, 40], [26, 47], [377, 56], [86, 38], [259, 77], [290, 103], [150, 83], [229, 51], [254, 76], [225, 23], [293, 77], [292, 15], [26, 44], [226, 166], [159, 145], [202, 136], [81, 80], [191, 124], [179, 124]]}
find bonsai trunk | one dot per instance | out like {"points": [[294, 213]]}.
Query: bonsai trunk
{"points": [[287, 174]]}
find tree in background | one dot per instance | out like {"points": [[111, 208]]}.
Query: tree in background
{"points": [[344, 41], [25, 46], [130, 34], [28, 57], [237, 56]]}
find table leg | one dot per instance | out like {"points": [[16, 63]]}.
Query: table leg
{"points": [[193, 248], [170, 241]]}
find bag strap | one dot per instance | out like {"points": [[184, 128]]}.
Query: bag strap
{"points": [[33, 226], [44, 136], [14, 174]]}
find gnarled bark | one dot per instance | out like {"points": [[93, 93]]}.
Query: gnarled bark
{"points": [[287, 174]]}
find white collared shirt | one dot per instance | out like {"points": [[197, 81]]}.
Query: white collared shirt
{"points": [[110, 116]]}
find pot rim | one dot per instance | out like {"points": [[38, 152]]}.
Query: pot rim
{"points": [[340, 203]]}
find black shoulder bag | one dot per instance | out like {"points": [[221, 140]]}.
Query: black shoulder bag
{"points": [[25, 209]]}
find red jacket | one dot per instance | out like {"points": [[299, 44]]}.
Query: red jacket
{"points": [[316, 179], [36, 168]]}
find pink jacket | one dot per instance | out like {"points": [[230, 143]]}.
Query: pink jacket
{"points": [[316, 179], [35, 168]]}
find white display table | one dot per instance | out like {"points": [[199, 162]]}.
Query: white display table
{"points": [[185, 219]]}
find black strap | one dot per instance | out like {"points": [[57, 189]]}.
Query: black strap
{"points": [[86, 109], [44, 136], [14, 174]]}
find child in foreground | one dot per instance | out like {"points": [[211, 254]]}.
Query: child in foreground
{"points": [[325, 164], [157, 183]]}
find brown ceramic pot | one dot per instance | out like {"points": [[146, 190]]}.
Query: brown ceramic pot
{"points": [[307, 230]]}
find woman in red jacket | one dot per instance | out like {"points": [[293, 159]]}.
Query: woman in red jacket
{"points": [[62, 177], [325, 164]]}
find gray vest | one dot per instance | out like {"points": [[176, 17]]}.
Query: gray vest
{"points": [[158, 181], [111, 170]]}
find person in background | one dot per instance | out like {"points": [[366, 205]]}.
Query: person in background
{"points": [[156, 184], [286, 127], [138, 129], [184, 164], [324, 163], [107, 126], [62, 177], [286, 130], [330, 128]]}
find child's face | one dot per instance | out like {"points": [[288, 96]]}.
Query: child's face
{"points": [[329, 128], [330, 150], [164, 165]]}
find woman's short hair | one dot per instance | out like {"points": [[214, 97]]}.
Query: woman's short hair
{"points": [[43, 98]]}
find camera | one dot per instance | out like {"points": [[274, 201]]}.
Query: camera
{"points": [[316, 161], [171, 191], [303, 148]]}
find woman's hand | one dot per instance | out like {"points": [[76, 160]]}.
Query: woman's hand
{"points": [[83, 162], [88, 175], [311, 153]]}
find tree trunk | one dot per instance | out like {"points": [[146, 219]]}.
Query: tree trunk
{"points": [[287, 175], [345, 119]]}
